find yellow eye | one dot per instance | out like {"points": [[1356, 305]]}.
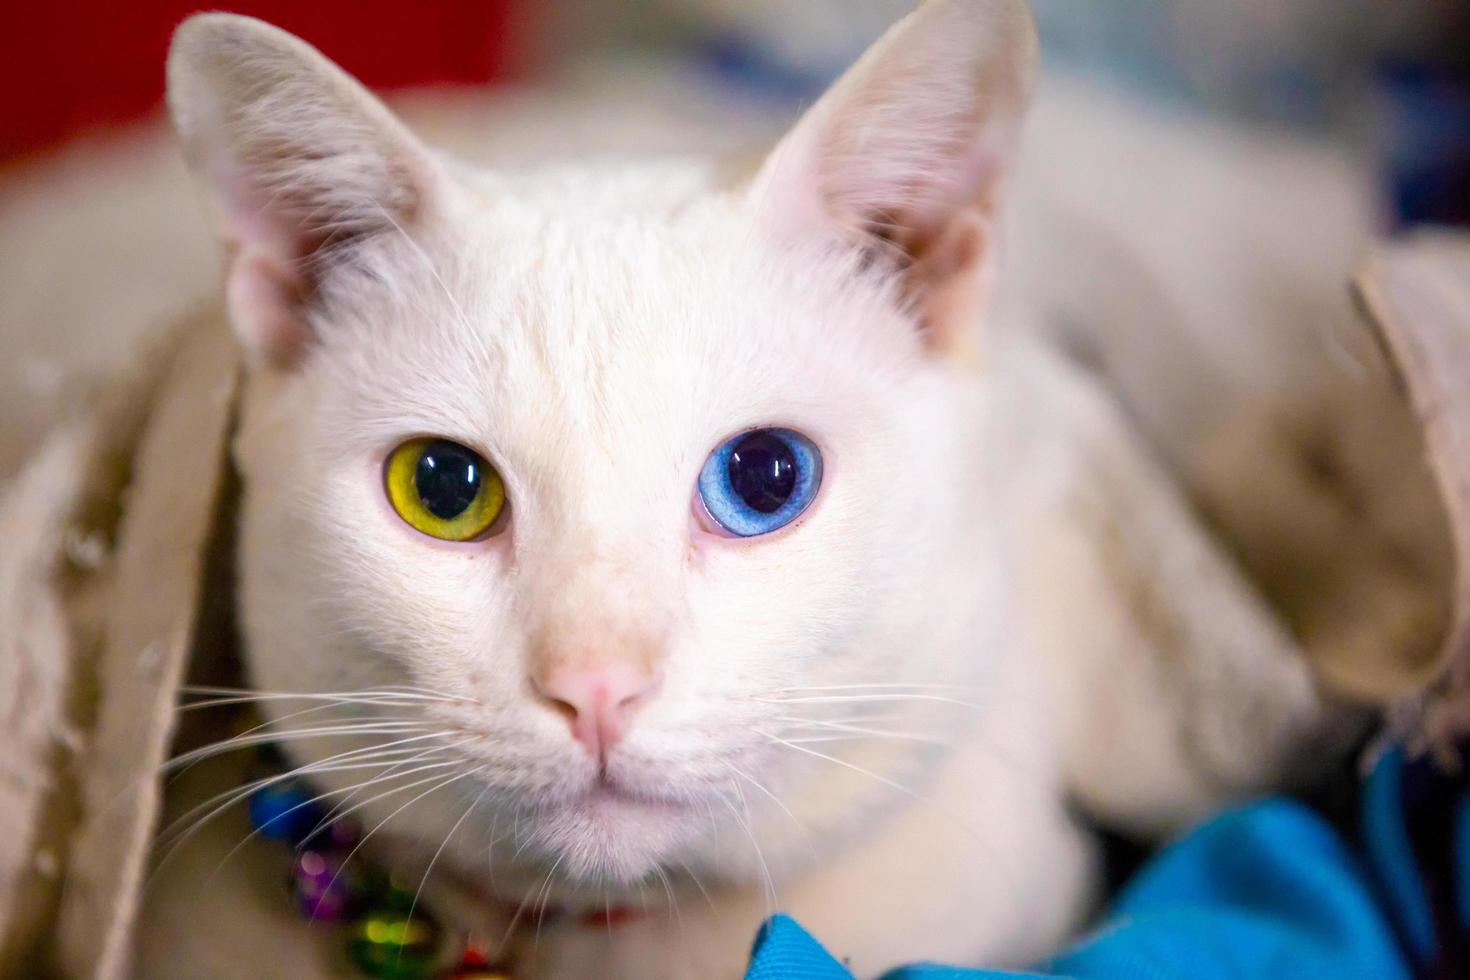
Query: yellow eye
{"points": [[444, 489]]}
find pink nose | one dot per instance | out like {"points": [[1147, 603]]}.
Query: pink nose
{"points": [[599, 703]]}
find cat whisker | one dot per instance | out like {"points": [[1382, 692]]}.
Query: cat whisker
{"points": [[236, 795], [699, 884], [365, 756], [965, 826], [525, 842], [773, 798], [413, 906], [235, 743], [226, 696], [433, 271], [744, 823], [853, 720], [845, 718], [847, 765], [494, 839], [269, 723], [380, 824], [255, 832], [835, 730], [514, 921], [183, 762], [714, 823], [515, 835], [344, 807], [674, 912], [236, 695], [880, 686], [317, 702], [869, 698], [544, 895], [856, 736], [176, 767]]}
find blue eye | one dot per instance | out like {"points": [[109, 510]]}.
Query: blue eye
{"points": [[760, 481]]}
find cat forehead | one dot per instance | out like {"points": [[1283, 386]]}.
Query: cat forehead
{"points": [[635, 260], [573, 304], [606, 187]]}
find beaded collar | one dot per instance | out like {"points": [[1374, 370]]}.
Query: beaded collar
{"points": [[385, 931]]}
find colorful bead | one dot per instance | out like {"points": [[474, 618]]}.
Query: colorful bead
{"points": [[342, 834], [390, 892], [390, 945], [323, 890], [386, 942], [476, 965], [284, 811], [473, 957]]}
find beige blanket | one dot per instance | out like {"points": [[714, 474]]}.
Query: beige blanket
{"points": [[106, 532], [1418, 295]]}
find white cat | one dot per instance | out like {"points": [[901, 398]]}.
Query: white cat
{"points": [[668, 500]]}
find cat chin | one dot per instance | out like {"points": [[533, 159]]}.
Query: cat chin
{"points": [[609, 836]]}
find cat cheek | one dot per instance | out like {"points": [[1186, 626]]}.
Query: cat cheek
{"points": [[264, 304]]}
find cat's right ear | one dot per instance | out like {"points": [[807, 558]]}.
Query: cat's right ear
{"points": [[904, 156], [296, 159]]}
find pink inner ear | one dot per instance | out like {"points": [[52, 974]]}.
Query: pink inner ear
{"points": [[265, 305], [950, 281]]}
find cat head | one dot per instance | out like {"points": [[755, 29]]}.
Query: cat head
{"points": [[643, 500]]}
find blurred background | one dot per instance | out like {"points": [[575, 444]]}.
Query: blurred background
{"points": [[1389, 79], [99, 235]]}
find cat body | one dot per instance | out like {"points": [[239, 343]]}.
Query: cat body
{"points": [[606, 698]]}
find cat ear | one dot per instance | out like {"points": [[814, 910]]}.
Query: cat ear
{"points": [[904, 155], [295, 156]]}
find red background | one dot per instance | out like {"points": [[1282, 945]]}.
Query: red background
{"points": [[71, 66]]}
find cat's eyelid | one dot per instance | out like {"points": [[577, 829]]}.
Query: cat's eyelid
{"points": [[803, 428], [448, 434]]}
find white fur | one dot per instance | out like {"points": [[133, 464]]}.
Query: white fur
{"points": [[595, 334]]}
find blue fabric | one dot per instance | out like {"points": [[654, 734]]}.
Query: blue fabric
{"points": [[785, 951], [1387, 842], [1462, 858], [1268, 890]]}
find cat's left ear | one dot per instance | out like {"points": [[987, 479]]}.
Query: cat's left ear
{"points": [[904, 155], [296, 158]]}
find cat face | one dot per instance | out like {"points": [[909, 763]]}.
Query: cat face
{"points": [[717, 455]]}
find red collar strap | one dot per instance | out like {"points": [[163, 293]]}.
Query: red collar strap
{"points": [[609, 917]]}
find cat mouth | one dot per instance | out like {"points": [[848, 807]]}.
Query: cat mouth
{"points": [[608, 791]]}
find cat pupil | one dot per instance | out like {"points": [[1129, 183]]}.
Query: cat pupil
{"points": [[762, 471], [447, 479]]}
